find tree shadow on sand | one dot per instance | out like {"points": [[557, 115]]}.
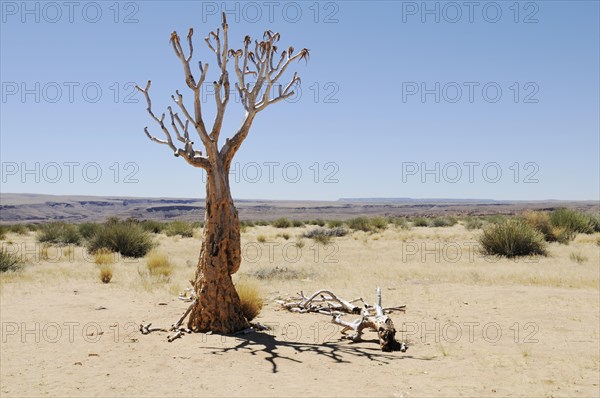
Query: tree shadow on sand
{"points": [[255, 343]]}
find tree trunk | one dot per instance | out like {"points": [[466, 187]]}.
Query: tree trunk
{"points": [[218, 307]]}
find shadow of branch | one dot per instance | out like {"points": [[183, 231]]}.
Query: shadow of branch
{"points": [[255, 343]]}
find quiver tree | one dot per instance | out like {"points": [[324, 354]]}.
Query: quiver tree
{"points": [[258, 68]]}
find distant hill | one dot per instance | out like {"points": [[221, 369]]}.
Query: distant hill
{"points": [[413, 200], [37, 208]]}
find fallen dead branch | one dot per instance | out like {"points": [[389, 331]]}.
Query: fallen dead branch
{"points": [[372, 317], [146, 329]]}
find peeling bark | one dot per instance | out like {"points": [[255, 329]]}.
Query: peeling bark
{"points": [[218, 306]]}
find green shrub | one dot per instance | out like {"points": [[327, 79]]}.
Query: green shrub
{"points": [[262, 223], [318, 222], [129, 239], [494, 218], [261, 238], [59, 233], [285, 235], [281, 223], [181, 228], [113, 220], [473, 223], [9, 261], [88, 229], [443, 221], [378, 222], [154, 227], [540, 221], [571, 220], [19, 229], [420, 222], [198, 224], [321, 234], [594, 221], [335, 223], [32, 227], [399, 222], [3, 231], [297, 223], [359, 224], [512, 238]]}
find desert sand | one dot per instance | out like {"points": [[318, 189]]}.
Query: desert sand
{"points": [[475, 326]]}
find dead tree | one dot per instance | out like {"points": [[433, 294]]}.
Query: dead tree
{"points": [[258, 68], [372, 317]]}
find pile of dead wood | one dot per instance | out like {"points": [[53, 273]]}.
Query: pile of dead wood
{"points": [[373, 317]]}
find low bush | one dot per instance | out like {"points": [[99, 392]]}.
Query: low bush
{"points": [[571, 220], [594, 221], [335, 223], [297, 223], [9, 261], [512, 238], [59, 233], [181, 228], [155, 227], [443, 222], [379, 222], [281, 223], [332, 232], [88, 229], [128, 239], [359, 224], [19, 229], [420, 222], [473, 223], [399, 222], [540, 221]]}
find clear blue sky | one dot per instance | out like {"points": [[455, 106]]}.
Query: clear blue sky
{"points": [[361, 120]]}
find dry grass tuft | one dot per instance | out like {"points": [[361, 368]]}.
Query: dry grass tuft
{"points": [[106, 273], [104, 257], [159, 265], [578, 258], [250, 298]]}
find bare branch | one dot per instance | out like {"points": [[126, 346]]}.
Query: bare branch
{"points": [[189, 154], [263, 63]]}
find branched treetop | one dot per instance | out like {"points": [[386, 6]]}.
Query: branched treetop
{"points": [[258, 63]]}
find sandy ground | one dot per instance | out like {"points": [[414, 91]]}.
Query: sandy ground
{"points": [[479, 329]]}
